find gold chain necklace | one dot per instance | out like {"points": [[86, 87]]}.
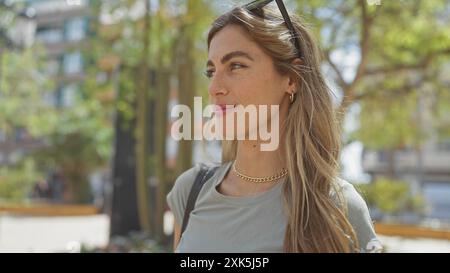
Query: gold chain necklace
{"points": [[266, 179]]}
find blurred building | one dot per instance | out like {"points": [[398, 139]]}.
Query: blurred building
{"points": [[428, 171], [60, 27], [426, 168]]}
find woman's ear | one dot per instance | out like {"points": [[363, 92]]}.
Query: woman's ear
{"points": [[293, 78]]}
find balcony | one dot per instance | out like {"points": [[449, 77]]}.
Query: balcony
{"points": [[433, 161]]}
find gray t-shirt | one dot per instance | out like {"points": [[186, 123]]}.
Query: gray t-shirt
{"points": [[256, 223]]}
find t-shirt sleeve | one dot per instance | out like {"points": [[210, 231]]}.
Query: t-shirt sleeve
{"points": [[360, 219], [178, 195]]}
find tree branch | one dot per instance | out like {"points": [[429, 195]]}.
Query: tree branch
{"points": [[399, 91], [405, 67], [396, 68], [366, 23], [336, 70]]}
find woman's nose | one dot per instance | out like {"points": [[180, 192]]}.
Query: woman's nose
{"points": [[217, 87]]}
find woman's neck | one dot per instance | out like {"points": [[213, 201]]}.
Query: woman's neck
{"points": [[251, 161]]}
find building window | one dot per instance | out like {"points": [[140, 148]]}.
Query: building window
{"points": [[75, 29], [436, 194], [49, 98], [72, 63], [68, 95], [49, 35], [383, 156], [20, 134], [443, 145], [2, 136], [52, 67]]}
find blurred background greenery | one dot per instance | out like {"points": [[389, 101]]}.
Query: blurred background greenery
{"points": [[86, 89]]}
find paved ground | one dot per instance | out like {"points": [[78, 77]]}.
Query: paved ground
{"points": [[419, 245], [52, 234], [62, 234]]}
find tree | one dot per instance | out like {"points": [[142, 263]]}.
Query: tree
{"points": [[142, 126], [166, 59], [114, 57], [75, 138], [22, 85], [392, 197], [397, 61]]}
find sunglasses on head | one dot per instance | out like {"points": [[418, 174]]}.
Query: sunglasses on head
{"points": [[258, 4]]}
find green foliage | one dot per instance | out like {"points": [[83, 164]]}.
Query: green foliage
{"points": [[390, 126], [16, 182], [391, 196], [22, 88], [408, 45], [78, 137]]}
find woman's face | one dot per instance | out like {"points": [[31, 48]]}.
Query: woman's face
{"points": [[241, 73]]}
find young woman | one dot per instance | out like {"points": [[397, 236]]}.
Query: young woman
{"points": [[290, 199]]}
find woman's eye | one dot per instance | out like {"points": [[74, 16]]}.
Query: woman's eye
{"points": [[209, 73], [237, 66]]}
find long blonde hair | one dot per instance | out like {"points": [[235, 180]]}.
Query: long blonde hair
{"points": [[316, 222]]}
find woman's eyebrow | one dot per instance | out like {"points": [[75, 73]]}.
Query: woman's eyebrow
{"points": [[231, 55]]}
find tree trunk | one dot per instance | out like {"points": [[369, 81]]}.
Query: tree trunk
{"points": [[124, 210], [186, 85], [161, 134], [142, 168]]}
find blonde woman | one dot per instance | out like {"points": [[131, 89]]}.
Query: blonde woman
{"points": [[287, 200]]}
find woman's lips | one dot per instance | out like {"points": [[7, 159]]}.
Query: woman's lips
{"points": [[222, 109]]}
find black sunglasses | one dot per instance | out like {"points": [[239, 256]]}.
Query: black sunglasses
{"points": [[258, 4]]}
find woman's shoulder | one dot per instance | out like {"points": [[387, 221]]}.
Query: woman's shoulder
{"points": [[183, 184], [351, 200], [352, 197], [185, 180], [178, 195], [359, 216]]}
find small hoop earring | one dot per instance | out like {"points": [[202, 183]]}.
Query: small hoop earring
{"points": [[291, 97]]}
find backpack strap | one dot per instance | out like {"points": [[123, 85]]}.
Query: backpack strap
{"points": [[203, 175]]}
